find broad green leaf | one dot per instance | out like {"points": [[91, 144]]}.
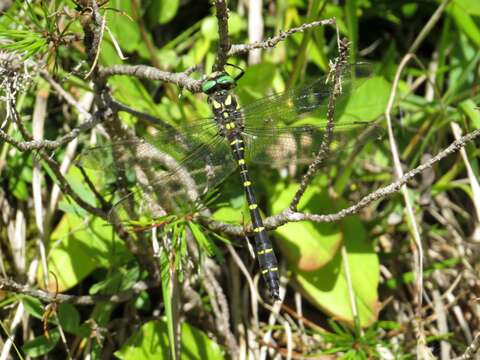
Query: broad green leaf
{"points": [[209, 27], [124, 29], [311, 251], [228, 214], [80, 247], [307, 246], [162, 11], [471, 7], [367, 102], [42, 345], [33, 306], [327, 287], [19, 174], [256, 82], [69, 317], [120, 280], [151, 342]]}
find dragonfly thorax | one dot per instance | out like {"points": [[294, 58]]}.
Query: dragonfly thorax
{"points": [[226, 112]]}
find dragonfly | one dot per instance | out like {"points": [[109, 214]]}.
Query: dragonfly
{"points": [[178, 164]]}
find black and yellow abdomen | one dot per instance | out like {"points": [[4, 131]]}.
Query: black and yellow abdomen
{"points": [[226, 112]]}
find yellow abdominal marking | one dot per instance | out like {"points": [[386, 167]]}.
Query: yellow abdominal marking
{"points": [[265, 251], [241, 162], [230, 125], [228, 100], [257, 230], [234, 142], [247, 183], [253, 206], [225, 114]]}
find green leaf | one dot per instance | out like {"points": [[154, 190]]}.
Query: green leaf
{"points": [[307, 246], [471, 7], [367, 102], [120, 280], [205, 243], [33, 306], [256, 82], [228, 214], [470, 109], [69, 317], [311, 251], [162, 11], [81, 247], [328, 289], [124, 29], [168, 292], [42, 345], [209, 28], [464, 21], [151, 342]]}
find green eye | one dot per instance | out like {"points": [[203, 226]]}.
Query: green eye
{"points": [[225, 79], [208, 85]]}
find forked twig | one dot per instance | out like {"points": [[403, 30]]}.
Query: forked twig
{"points": [[275, 221], [335, 91], [271, 42]]}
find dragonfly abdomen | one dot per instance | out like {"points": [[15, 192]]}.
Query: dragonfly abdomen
{"points": [[263, 246]]}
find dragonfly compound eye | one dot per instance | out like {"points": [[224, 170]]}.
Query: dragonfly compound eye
{"points": [[209, 86]]}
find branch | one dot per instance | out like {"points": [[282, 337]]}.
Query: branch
{"points": [[49, 297], [183, 79], [335, 91], [65, 95], [51, 144], [150, 73], [273, 41], [471, 349], [224, 42], [150, 119], [289, 215]]}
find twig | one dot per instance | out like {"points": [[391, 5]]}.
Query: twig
{"points": [[65, 95], [271, 42], [428, 26], [224, 41], [150, 73], [52, 144], [182, 79], [117, 106], [288, 215], [97, 50], [335, 91], [422, 350], [417, 240], [471, 349], [49, 297]]}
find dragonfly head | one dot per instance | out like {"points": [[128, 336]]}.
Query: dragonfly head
{"points": [[217, 82]]}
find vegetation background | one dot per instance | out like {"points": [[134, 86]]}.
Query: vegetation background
{"points": [[398, 280]]}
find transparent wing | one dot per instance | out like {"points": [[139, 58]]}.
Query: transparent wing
{"points": [[176, 141], [286, 108], [290, 127], [165, 168], [300, 144]]}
